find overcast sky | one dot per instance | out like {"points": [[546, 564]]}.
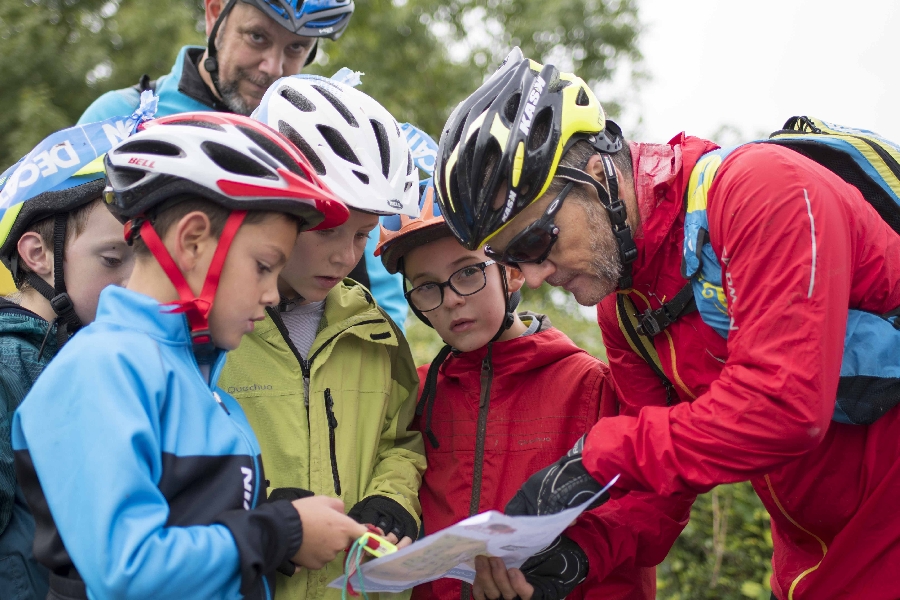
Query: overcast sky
{"points": [[753, 64]]}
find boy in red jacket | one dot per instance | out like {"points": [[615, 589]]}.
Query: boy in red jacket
{"points": [[506, 396]]}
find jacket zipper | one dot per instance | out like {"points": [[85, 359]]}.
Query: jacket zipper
{"points": [[484, 404], [332, 425], [487, 375]]}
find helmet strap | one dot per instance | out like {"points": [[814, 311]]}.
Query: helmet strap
{"points": [[509, 318], [312, 54], [196, 308], [615, 208], [67, 322], [211, 64]]}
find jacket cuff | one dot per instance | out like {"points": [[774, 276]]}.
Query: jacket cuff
{"points": [[265, 536], [376, 509]]}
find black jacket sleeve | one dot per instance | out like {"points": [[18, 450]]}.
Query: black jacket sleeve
{"points": [[266, 536]]}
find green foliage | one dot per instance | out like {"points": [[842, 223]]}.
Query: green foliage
{"points": [[725, 551], [59, 55]]}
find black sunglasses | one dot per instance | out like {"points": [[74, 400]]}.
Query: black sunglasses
{"points": [[534, 243]]}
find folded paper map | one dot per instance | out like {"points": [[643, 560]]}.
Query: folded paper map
{"points": [[451, 552]]}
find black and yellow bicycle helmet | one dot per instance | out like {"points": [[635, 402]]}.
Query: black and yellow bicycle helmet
{"points": [[509, 137]]}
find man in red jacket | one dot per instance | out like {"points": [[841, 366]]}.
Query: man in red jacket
{"points": [[530, 164], [511, 397]]}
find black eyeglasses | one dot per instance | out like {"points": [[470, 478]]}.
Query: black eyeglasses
{"points": [[464, 282], [534, 243]]}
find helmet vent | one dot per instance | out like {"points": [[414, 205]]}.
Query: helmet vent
{"points": [[338, 144], [397, 127], [409, 163], [272, 149], [154, 147], [234, 162], [540, 130], [298, 100], [338, 105], [124, 177], [362, 177], [296, 139], [384, 147], [407, 186], [512, 107], [582, 99]]}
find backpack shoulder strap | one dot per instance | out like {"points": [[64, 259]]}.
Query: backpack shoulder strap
{"points": [[627, 315], [860, 157], [144, 84]]}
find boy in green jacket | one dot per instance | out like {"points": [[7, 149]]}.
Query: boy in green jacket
{"points": [[37, 320], [327, 381]]}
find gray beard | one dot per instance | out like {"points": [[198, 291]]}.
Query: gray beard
{"points": [[233, 99], [607, 264]]}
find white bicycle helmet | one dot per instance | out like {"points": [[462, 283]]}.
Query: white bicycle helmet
{"points": [[353, 142]]}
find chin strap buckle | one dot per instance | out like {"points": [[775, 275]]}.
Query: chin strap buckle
{"points": [[62, 304]]}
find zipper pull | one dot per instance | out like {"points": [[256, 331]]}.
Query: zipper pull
{"points": [[222, 404], [329, 410], [332, 425]]}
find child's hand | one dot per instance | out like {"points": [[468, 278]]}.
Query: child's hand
{"points": [[326, 531], [494, 580], [406, 541]]}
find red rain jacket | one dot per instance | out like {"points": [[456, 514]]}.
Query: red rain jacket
{"points": [[545, 394], [798, 247]]}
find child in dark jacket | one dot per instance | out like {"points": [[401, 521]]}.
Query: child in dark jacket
{"points": [[507, 396], [51, 304]]}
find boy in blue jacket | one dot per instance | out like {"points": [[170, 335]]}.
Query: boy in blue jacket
{"points": [[143, 475]]}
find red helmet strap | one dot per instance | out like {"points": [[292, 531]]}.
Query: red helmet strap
{"points": [[197, 308]]}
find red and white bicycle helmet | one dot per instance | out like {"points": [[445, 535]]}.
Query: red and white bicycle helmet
{"points": [[228, 159]]}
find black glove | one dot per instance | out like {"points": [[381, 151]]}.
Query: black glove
{"points": [[556, 570], [564, 484], [287, 567], [387, 515]]}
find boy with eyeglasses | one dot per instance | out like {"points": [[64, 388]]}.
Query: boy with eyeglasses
{"points": [[506, 396]]}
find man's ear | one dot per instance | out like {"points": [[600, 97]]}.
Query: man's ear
{"points": [[594, 168], [36, 255], [515, 279], [213, 10], [190, 240]]}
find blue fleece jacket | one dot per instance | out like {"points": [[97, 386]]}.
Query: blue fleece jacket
{"points": [[141, 475]]}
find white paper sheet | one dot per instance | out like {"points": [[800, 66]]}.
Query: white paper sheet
{"points": [[451, 552]]}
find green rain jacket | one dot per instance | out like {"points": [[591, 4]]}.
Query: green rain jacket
{"points": [[353, 441]]}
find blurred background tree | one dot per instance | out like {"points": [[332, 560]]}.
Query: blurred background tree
{"points": [[420, 57]]}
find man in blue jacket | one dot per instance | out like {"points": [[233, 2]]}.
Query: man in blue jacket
{"points": [[251, 44]]}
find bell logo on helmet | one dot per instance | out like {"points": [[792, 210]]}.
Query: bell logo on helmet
{"points": [[326, 30], [141, 162], [510, 203], [528, 112], [394, 203]]}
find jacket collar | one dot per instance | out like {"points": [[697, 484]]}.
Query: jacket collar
{"points": [[18, 321], [129, 310], [661, 173], [350, 309], [516, 356], [187, 73]]}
